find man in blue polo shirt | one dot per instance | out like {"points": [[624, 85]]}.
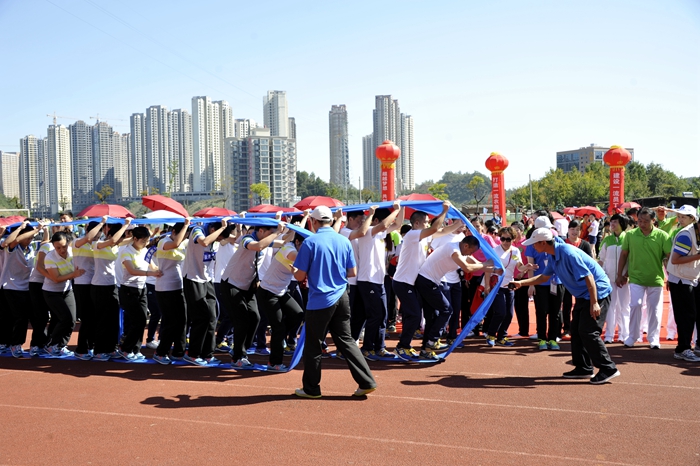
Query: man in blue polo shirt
{"points": [[587, 281], [327, 259]]}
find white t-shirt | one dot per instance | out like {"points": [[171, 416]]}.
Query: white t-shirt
{"points": [[345, 231], [439, 263], [64, 267], [510, 260], [223, 255], [198, 259], [137, 259], [170, 263], [411, 257], [279, 273], [593, 228], [562, 226], [372, 256], [452, 276]]}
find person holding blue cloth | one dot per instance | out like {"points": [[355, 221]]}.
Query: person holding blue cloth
{"points": [[586, 280]]}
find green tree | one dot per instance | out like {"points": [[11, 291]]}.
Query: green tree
{"points": [[438, 190], [172, 175], [262, 191], [478, 189], [105, 192]]}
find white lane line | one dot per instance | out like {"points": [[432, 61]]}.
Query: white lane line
{"points": [[317, 433], [230, 383]]}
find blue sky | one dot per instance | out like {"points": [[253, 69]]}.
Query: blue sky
{"points": [[526, 79]]}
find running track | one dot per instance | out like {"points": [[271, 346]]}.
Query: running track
{"points": [[481, 406]]}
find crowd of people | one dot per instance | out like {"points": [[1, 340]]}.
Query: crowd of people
{"points": [[211, 288]]}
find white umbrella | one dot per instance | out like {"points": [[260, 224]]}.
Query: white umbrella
{"points": [[157, 214]]}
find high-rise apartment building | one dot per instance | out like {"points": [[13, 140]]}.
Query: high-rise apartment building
{"points": [[292, 128], [206, 144], [260, 158], [180, 134], [137, 177], [103, 160], [407, 165], [243, 127], [581, 158], [81, 164], [43, 154], [157, 149], [31, 173], [60, 174], [121, 146], [370, 164], [9, 174], [390, 124], [339, 152], [275, 113]]}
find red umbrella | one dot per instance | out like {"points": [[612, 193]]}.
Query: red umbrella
{"points": [[316, 201], [214, 212], [158, 202], [269, 208], [588, 210], [570, 211], [629, 205], [99, 210], [12, 219], [556, 215], [418, 197]]}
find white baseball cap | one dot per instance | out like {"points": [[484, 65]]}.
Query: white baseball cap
{"points": [[541, 234], [543, 222], [322, 213], [687, 210]]}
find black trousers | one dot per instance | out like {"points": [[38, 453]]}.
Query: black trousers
{"points": [[38, 315], [201, 311], [173, 327], [19, 304], [225, 327], [245, 317], [62, 306], [135, 304], [587, 348], [686, 308], [284, 315], [5, 320], [567, 305], [547, 308], [86, 310], [522, 311], [337, 320], [106, 305], [154, 312]]}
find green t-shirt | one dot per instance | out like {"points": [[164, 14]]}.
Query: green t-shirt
{"points": [[646, 254], [668, 224]]}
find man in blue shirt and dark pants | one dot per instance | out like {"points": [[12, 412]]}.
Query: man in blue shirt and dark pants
{"points": [[587, 281], [327, 259]]}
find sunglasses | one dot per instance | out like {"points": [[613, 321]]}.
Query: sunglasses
{"points": [[503, 239]]}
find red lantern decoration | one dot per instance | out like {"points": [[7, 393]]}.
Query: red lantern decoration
{"points": [[388, 153], [496, 164], [617, 157]]}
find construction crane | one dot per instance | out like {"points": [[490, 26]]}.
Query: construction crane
{"points": [[110, 119], [62, 117]]}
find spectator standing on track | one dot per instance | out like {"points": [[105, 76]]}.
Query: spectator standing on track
{"points": [[573, 237], [683, 274], [587, 281], [644, 251], [327, 259], [609, 259]]}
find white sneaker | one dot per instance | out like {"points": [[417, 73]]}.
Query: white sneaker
{"points": [[687, 355], [152, 344]]}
